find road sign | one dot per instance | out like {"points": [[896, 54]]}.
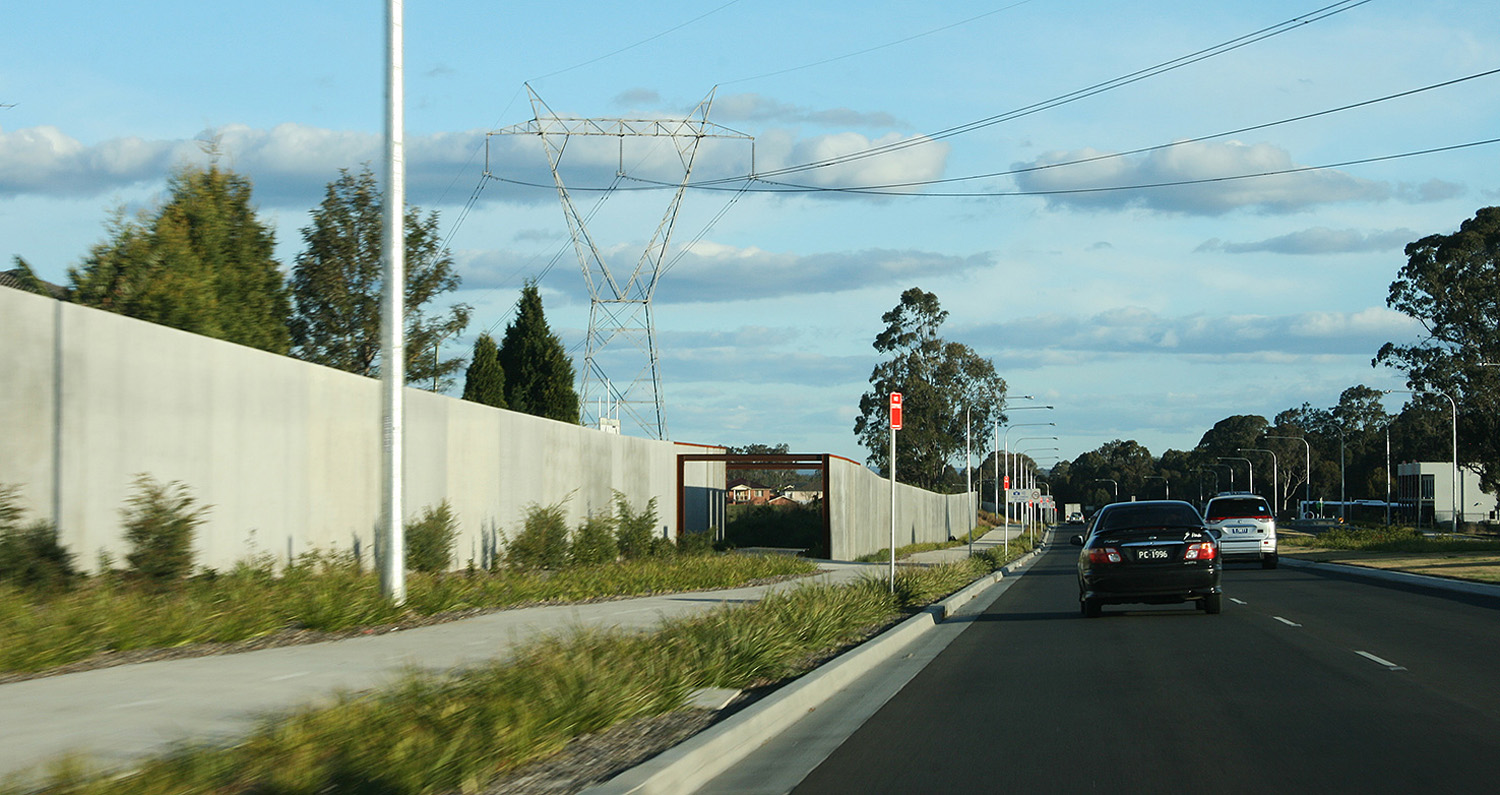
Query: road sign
{"points": [[895, 411], [1007, 481]]}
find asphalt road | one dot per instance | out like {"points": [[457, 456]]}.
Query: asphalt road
{"points": [[1305, 683]]}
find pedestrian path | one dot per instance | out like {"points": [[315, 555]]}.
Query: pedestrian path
{"points": [[116, 715]]}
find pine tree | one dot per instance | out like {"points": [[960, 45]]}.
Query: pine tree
{"points": [[336, 285], [485, 380], [538, 373], [203, 262]]}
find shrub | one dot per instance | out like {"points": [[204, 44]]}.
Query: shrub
{"points": [[543, 540], [695, 544], [429, 539], [159, 525], [774, 526], [594, 543], [634, 532], [30, 555]]}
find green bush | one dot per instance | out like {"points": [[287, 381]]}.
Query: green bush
{"points": [[635, 532], [695, 544], [30, 555], [429, 539], [794, 527], [594, 543], [159, 525], [543, 540]]}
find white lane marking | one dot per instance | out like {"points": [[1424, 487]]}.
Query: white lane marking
{"points": [[1286, 621], [1237, 601], [285, 677], [1387, 663]]}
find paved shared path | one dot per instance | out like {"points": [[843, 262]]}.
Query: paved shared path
{"points": [[115, 716]]}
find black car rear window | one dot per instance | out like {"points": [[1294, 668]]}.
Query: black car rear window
{"points": [[1235, 507], [1124, 517]]}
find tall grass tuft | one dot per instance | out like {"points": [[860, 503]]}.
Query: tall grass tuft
{"points": [[160, 522], [543, 540], [429, 539], [30, 555]]}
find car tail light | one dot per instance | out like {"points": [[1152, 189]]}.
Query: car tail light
{"points": [[1203, 550], [1104, 555]]}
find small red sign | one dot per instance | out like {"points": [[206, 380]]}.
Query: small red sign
{"points": [[895, 411], [1007, 481]]}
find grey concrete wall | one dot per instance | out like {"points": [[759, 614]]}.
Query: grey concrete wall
{"points": [[286, 453], [860, 512]]}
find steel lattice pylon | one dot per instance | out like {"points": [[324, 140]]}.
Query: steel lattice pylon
{"points": [[620, 303]]}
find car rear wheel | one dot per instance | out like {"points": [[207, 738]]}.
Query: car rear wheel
{"points": [[1269, 561], [1090, 608], [1212, 604]]}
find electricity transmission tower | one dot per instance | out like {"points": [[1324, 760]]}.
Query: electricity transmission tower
{"points": [[620, 300]]}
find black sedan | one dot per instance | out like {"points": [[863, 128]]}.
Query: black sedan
{"points": [[1154, 552]]}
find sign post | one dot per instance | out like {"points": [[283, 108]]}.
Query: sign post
{"points": [[895, 426]]}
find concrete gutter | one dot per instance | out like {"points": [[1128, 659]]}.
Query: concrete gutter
{"points": [[1406, 578], [696, 761]]}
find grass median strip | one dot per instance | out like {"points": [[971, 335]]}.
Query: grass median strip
{"points": [[1401, 549], [434, 733]]}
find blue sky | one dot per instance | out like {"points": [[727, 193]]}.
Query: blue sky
{"points": [[1143, 313]]}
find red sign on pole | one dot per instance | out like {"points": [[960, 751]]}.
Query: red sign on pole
{"points": [[1007, 481], [895, 411]]}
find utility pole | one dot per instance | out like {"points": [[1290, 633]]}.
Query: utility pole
{"points": [[393, 332]]}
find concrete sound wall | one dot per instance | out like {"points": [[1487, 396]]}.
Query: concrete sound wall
{"points": [[286, 453], [860, 512]]}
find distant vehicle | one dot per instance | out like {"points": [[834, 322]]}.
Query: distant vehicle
{"points": [[1152, 552], [1074, 512], [1246, 526]]}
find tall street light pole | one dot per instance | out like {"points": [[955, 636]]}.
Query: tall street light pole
{"points": [[1307, 462], [1275, 476], [1165, 484], [1114, 482], [393, 332], [1248, 464], [1008, 429]]}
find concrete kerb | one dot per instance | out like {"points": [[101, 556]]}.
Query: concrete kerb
{"points": [[1398, 577], [694, 762]]}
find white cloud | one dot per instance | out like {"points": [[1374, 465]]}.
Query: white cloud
{"points": [[1096, 184], [1134, 330], [1319, 240]]}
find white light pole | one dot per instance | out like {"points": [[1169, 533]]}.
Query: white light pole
{"points": [[393, 332], [1307, 462], [1247, 463], [1275, 475], [1007, 462], [1166, 485], [1116, 484]]}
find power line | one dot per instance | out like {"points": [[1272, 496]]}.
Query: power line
{"points": [[1083, 93]]}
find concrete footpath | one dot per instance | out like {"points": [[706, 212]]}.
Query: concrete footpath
{"points": [[112, 717]]}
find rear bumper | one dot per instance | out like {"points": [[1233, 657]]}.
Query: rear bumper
{"points": [[1164, 584], [1252, 549]]}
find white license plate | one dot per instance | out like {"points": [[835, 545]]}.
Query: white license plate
{"points": [[1153, 554]]}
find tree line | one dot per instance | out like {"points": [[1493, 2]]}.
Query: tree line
{"points": [[1450, 284], [203, 261]]}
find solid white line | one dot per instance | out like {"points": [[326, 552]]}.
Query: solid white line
{"points": [[1286, 621], [1387, 663], [285, 677], [1237, 601]]}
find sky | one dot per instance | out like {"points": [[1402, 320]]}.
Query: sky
{"points": [[1150, 216]]}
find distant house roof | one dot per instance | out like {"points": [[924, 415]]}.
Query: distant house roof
{"points": [[23, 279]]}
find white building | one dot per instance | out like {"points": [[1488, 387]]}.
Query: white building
{"points": [[1426, 489]]}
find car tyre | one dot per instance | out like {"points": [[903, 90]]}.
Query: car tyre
{"points": [[1090, 608], [1269, 561], [1212, 604]]}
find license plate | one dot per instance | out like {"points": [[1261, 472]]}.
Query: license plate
{"points": [[1153, 553], [1241, 530]]}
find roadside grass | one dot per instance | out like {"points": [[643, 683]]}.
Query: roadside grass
{"points": [[1388, 539], [324, 592], [928, 546], [434, 733]]}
